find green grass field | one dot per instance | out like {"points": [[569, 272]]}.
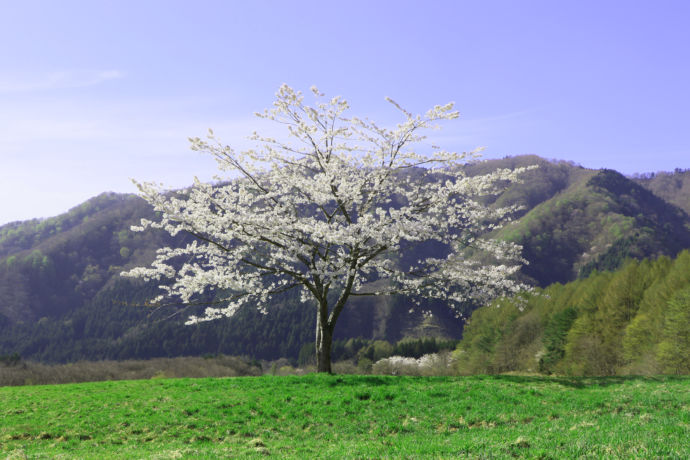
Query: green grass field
{"points": [[348, 416]]}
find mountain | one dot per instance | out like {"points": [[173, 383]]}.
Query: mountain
{"points": [[576, 220], [673, 187], [61, 297]]}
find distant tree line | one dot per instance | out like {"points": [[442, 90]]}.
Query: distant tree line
{"points": [[10, 360], [631, 321], [370, 351]]}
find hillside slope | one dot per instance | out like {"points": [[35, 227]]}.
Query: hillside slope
{"points": [[673, 187], [61, 297], [596, 221]]}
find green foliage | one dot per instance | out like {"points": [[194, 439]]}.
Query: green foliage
{"points": [[644, 332], [674, 350], [555, 335], [673, 187], [483, 335], [634, 320], [596, 221], [537, 186], [595, 340], [416, 348], [353, 416], [307, 355], [10, 360], [376, 350], [652, 226]]}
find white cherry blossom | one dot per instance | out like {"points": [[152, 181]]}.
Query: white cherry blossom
{"points": [[327, 214]]}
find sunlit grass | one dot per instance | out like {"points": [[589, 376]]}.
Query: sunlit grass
{"points": [[350, 417]]}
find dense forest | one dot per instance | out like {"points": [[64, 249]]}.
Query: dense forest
{"points": [[62, 300], [635, 320]]}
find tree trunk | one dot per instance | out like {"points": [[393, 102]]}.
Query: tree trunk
{"points": [[324, 340]]}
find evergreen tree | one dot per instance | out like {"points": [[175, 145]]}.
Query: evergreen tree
{"points": [[674, 351]]}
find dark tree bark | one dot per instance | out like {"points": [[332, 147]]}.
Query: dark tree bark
{"points": [[323, 352], [324, 340]]}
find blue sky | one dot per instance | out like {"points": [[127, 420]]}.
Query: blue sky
{"points": [[93, 93]]}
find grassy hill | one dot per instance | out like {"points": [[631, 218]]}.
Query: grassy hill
{"points": [[321, 416]]}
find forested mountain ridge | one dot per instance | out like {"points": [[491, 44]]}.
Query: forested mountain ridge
{"points": [[597, 221], [61, 297], [50, 265], [673, 187]]}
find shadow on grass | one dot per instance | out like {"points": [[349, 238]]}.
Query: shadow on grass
{"points": [[352, 380]]}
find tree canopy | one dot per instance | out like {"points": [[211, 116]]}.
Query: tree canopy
{"points": [[631, 321]]}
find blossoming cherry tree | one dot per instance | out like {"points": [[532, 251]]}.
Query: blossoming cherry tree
{"points": [[326, 213]]}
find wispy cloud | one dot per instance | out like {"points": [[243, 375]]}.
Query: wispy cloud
{"points": [[56, 80]]}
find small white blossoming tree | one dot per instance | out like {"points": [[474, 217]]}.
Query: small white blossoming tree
{"points": [[327, 214]]}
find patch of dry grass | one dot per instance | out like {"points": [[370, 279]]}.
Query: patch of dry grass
{"points": [[31, 373]]}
